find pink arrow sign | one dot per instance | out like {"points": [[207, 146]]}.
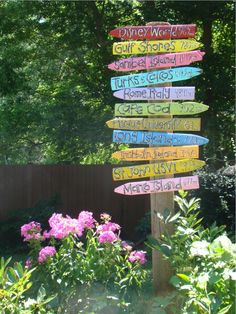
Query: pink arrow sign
{"points": [[151, 62], [158, 186]]}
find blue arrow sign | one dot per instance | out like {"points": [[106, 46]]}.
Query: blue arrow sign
{"points": [[154, 77], [157, 138]]}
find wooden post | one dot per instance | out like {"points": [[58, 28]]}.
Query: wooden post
{"points": [[159, 202]]}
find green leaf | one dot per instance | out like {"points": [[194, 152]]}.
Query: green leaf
{"points": [[175, 281], [175, 217], [166, 250], [225, 309], [184, 277]]}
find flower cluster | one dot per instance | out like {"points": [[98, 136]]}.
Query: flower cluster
{"points": [[107, 232], [86, 219], [137, 256], [46, 252], [61, 227], [31, 231]]}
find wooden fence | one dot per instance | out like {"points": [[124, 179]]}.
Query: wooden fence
{"points": [[79, 188]]}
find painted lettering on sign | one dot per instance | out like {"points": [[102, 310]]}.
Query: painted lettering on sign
{"points": [[156, 93], [157, 138], [154, 77], [143, 47], [156, 169], [155, 32], [158, 186], [167, 108], [158, 153], [151, 62], [156, 124]]}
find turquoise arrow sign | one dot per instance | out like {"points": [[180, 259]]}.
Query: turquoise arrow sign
{"points": [[154, 77], [157, 138]]}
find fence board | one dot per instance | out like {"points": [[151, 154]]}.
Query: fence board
{"points": [[79, 188]]}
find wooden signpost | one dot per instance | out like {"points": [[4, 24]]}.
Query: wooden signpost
{"points": [[156, 124], [157, 138], [155, 31], [154, 77], [159, 169], [156, 93], [167, 108], [169, 47], [152, 62], [158, 153], [155, 46], [158, 186]]}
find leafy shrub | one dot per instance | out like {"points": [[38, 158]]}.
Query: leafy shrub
{"points": [[14, 284], [9, 229], [204, 260], [85, 263], [217, 196]]}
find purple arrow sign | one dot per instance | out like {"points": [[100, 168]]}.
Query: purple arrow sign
{"points": [[158, 186], [156, 93]]}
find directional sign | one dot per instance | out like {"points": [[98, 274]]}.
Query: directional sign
{"points": [[156, 124], [156, 93], [154, 77], [158, 186], [151, 62], [158, 153], [157, 138], [155, 32], [154, 46], [156, 169], [167, 108]]}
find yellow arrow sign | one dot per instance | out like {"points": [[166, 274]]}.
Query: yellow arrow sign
{"points": [[154, 46], [156, 169], [156, 124], [157, 153]]}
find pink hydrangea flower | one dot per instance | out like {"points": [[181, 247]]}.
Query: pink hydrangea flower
{"points": [[46, 252], [28, 263], [31, 231], [108, 226], [126, 246], [139, 256], [86, 219], [46, 234], [107, 237], [63, 226]]}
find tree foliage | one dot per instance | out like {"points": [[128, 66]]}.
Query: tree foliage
{"points": [[55, 91]]}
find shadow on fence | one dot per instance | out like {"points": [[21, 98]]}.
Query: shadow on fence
{"points": [[78, 187]]}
